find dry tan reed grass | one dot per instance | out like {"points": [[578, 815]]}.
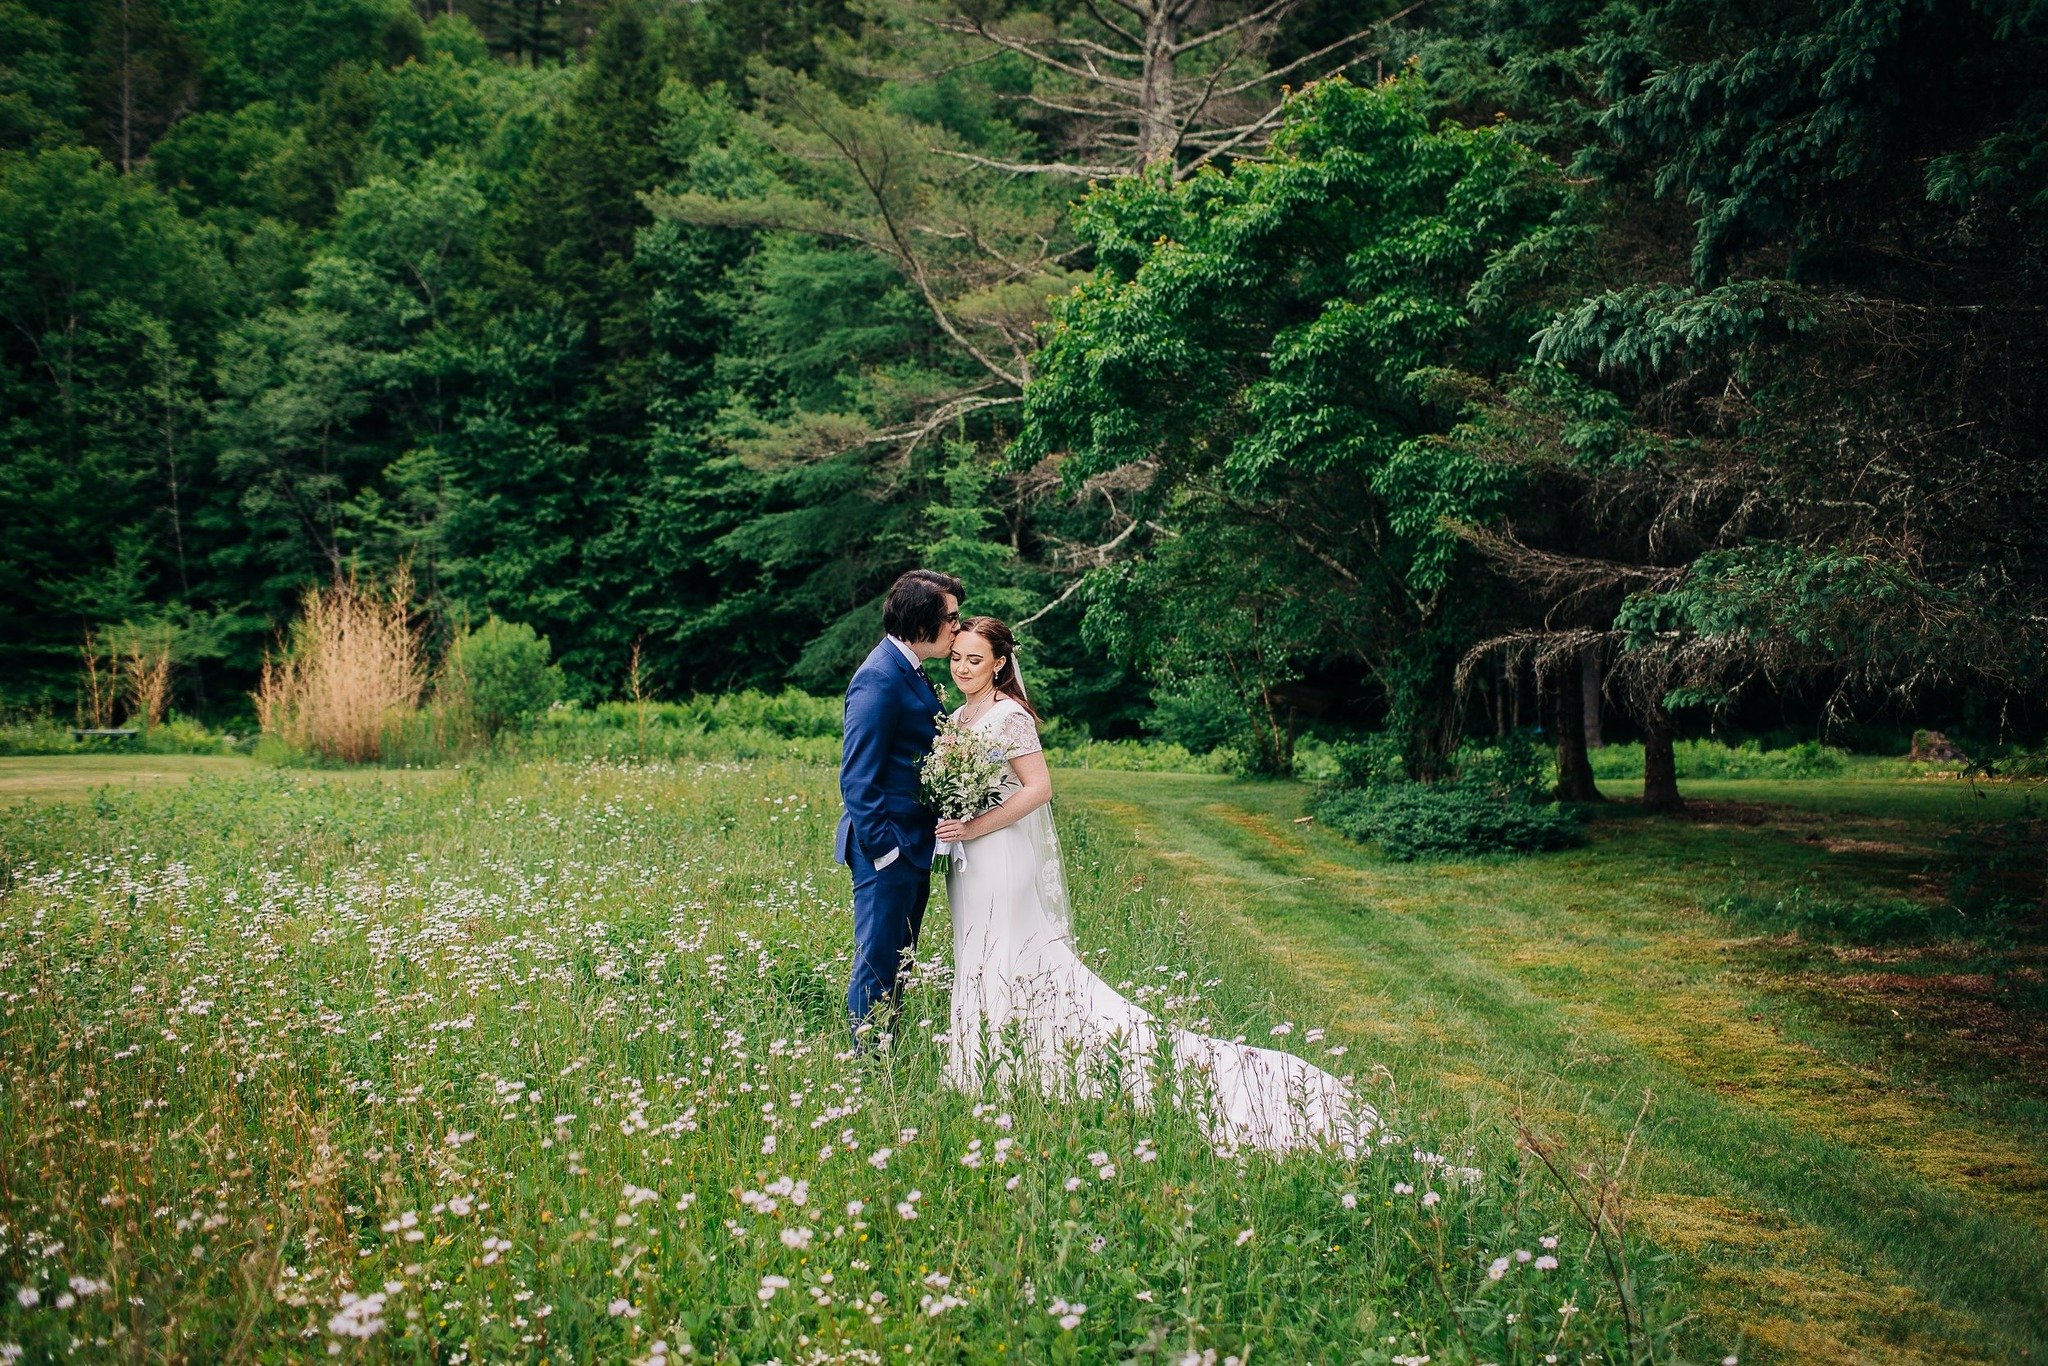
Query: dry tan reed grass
{"points": [[96, 685], [145, 664], [352, 669]]}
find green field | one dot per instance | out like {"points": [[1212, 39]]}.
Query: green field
{"points": [[548, 1058]]}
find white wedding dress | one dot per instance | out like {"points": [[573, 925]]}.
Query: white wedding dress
{"points": [[1027, 1008]]}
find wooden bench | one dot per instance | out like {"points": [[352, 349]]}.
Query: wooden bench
{"points": [[115, 735]]}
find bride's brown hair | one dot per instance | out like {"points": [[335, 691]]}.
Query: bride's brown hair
{"points": [[1004, 644]]}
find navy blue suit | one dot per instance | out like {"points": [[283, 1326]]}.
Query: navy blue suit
{"points": [[890, 725]]}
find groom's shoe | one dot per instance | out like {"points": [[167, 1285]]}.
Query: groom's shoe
{"points": [[874, 1036]]}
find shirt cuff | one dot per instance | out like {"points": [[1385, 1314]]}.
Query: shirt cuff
{"points": [[885, 860]]}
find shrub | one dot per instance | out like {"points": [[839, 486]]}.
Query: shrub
{"points": [[789, 724], [2024, 764], [353, 662], [1418, 820], [1513, 767], [501, 670], [1368, 762], [41, 734], [183, 735]]}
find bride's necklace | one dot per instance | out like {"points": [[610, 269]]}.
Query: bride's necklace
{"points": [[967, 720]]}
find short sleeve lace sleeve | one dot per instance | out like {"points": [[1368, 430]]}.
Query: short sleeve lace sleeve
{"points": [[1016, 732]]}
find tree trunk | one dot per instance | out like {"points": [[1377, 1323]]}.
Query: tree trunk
{"points": [[1589, 694], [1574, 772], [127, 94], [1157, 133], [1660, 766]]}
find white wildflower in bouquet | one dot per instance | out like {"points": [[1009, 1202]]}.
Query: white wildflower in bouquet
{"points": [[963, 776]]}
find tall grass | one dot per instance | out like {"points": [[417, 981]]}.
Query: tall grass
{"points": [[352, 669], [548, 1062], [1749, 759], [98, 685], [145, 667]]}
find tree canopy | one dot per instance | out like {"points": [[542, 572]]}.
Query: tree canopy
{"points": [[1274, 366]]}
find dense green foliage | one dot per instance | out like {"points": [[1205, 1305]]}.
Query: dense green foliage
{"points": [[1698, 344], [1417, 820], [1491, 799], [505, 677]]}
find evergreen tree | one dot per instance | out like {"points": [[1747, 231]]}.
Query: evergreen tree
{"points": [[552, 442], [107, 297]]}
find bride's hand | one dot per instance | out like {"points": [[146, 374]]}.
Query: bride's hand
{"points": [[953, 832]]}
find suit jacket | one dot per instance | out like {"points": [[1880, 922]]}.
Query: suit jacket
{"points": [[890, 711]]}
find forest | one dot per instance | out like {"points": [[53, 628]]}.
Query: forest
{"points": [[1426, 370]]}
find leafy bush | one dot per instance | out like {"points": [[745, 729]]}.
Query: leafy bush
{"points": [[43, 734], [501, 670], [1513, 767], [37, 735], [1418, 820], [1370, 761], [790, 724], [1497, 802], [2030, 764], [182, 735]]}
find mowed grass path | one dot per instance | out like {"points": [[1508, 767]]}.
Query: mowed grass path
{"points": [[78, 775], [1831, 1191]]}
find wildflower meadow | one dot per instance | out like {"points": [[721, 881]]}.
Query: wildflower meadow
{"points": [[548, 1062]]}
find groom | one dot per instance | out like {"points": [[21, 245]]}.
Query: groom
{"points": [[885, 835]]}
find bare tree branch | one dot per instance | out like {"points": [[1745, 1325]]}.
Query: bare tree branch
{"points": [[1244, 21], [1038, 167]]}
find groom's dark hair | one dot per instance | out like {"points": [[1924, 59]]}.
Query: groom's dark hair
{"points": [[917, 604]]}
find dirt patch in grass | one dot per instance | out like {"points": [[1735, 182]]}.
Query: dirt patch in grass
{"points": [[1973, 1009], [1838, 845], [1729, 813]]}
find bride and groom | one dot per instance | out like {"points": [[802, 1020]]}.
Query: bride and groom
{"points": [[1025, 1004]]}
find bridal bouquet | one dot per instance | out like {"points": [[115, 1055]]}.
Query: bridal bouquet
{"points": [[961, 778]]}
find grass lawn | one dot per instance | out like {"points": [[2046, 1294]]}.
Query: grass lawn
{"points": [[1842, 1151], [75, 775]]}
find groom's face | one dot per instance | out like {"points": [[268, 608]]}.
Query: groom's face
{"points": [[949, 626]]}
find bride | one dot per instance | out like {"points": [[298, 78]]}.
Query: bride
{"points": [[1024, 1002]]}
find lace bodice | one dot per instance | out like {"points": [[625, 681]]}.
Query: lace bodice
{"points": [[1010, 725]]}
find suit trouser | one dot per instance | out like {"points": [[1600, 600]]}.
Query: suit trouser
{"points": [[888, 912]]}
